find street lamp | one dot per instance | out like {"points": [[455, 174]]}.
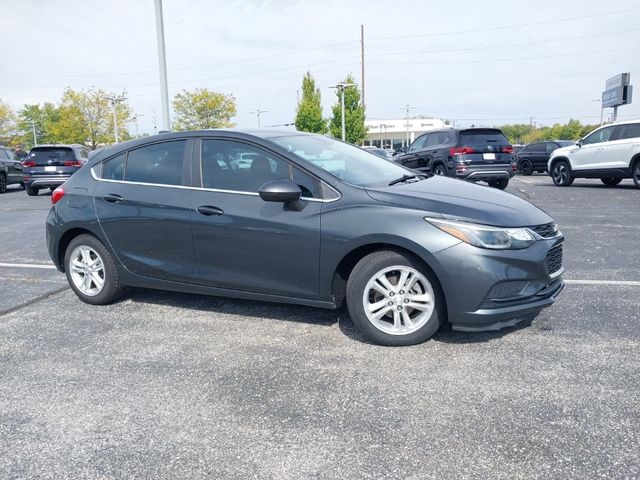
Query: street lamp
{"points": [[408, 107], [259, 112], [114, 103], [341, 87]]}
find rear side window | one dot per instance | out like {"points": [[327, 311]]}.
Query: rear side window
{"points": [[51, 155], [481, 137], [114, 169], [537, 148], [629, 131], [160, 163]]}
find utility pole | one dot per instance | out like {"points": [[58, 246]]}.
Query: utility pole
{"points": [[164, 92], [362, 62], [530, 125], [407, 108], [114, 106], [341, 87], [258, 112], [35, 139]]}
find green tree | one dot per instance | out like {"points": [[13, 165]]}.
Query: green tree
{"points": [[203, 108], [7, 124], [309, 113], [355, 131], [86, 117], [43, 118]]}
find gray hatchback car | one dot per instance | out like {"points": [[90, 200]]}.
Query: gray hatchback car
{"points": [[311, 220]]}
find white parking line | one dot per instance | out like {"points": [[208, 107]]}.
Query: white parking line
{"points": [[28, 265], [625, 283]]}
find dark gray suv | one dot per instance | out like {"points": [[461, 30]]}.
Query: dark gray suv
{"points": [[472, 154], [48, 166], [307, 220]]}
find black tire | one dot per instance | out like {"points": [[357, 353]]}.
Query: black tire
{"points": [[31, 191], [51, 189], [561, 174], [3, 183], [635, 173], [22, 185], [358, 291], [610, 181], [112, 288], [526, 167], [500, 183], [439, 169]]}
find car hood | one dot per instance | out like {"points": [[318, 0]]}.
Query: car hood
{"points": [[460, 200]]}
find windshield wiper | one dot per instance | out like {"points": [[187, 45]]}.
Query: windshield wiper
{"points": [[404, 178]]}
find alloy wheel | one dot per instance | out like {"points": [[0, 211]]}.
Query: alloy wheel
{"points": [[87, 270], [398, 300], [439, 170], [560, 174], [636, 174]]}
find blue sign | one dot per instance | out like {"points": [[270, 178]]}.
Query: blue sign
{"points": [[616, 96]]}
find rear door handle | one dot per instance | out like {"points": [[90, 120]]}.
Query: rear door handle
{"points": [[208, 211], [112, 198]]}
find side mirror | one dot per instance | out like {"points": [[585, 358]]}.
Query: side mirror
{"points": [[283, 190], [579, 143]]}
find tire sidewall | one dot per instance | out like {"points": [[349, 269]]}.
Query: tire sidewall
{"points": [[440, 167], [569, 179], [526, 171], [360, 276], [635, 173], [3, 182]]}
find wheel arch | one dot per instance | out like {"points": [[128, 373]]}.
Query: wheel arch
{"points": [[559, 159], [66, 239]]}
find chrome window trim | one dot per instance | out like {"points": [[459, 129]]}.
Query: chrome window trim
{"points": [[216, 190]]}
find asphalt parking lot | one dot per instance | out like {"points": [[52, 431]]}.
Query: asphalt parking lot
{"points": [[164, 385]]}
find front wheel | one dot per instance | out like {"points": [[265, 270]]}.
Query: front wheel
{"points": [[500, 183], [610, 181], [394, 300], [561, 174], [526, 167], [91, 271]]}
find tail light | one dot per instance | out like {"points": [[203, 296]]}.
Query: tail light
{"points": [[57, 195], [461, 150], [461, 168], [29, 163], [507, 149], [514, 167], [72, 163]]}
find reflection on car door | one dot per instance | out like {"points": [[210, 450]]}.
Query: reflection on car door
{"points": [[142, 205], [242, 242]]}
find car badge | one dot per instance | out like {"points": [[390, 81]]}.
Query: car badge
{"points": [[490, 148]]}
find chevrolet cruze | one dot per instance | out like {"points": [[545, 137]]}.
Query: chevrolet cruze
{"points": [[307, 220]]}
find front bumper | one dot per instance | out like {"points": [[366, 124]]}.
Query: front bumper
{"points": [[491, 289]]}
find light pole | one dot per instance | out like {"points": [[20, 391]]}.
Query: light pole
{"points": [[341, 87], [35, 139], [259, 112], [408, 107], [162, 59], [114, 105], [601, 110]]}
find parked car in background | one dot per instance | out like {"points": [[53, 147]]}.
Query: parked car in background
{"points": [[312, 221], [517, 147], [380, 152], [610, 153], [10, 169], [48, 166], [472, 154], [535, 156]]}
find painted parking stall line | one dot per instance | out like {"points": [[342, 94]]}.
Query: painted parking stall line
{"points": [[28, 265], [624, 283]]}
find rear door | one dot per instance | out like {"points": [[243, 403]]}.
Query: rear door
{"points": [[12, 164], [620, 149], [487, 145], [142, 204]]}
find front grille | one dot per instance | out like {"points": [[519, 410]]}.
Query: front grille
{"points": [[547, 230], [553, 259]]}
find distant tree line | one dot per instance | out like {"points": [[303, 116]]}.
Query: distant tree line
{"points": [[524, 133]]}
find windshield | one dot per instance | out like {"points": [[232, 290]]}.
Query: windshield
{"points": [[350, 164]]}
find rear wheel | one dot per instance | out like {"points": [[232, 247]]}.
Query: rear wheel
{"points": [[610, 181], [3, 183], [501, 183], [561, 174], [91, 271], [635, 173], [526, 167], [393, 299], [440, 170], [32, 191]]}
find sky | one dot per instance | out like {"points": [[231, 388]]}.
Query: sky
{"points": [[481, 63]]}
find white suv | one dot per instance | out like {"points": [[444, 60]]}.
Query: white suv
{"points": [[609, 153]]}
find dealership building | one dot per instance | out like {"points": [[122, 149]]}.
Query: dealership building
{"points": [[394, 133]]}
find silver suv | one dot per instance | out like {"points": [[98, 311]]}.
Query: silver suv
{"points": [[610, 153]]}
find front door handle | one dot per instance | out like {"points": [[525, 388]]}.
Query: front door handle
{"points": [[208, 211], [112, 198]]}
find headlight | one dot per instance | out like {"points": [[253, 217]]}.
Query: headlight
{"points": [[483, 236]]}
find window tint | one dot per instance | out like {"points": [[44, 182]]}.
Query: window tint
{"points": [[419, 143], [598, 136], [551, 146], [630, 131], [160, 163], [230, 165], [537, 148], [309, 186], [114, 169], [481, 137], [51, 155]]}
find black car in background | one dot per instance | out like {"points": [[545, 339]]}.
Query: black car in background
{"points": [[311, 220], [535, 156], [469, 154], [10, 169], [49, 166]]}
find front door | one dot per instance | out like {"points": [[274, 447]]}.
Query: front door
{"points": [[242, 242], [589, 155]]}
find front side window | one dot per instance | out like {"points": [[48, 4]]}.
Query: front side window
{"points": [[236, 166], [419, 143], [602, 135], [160, 163]]}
